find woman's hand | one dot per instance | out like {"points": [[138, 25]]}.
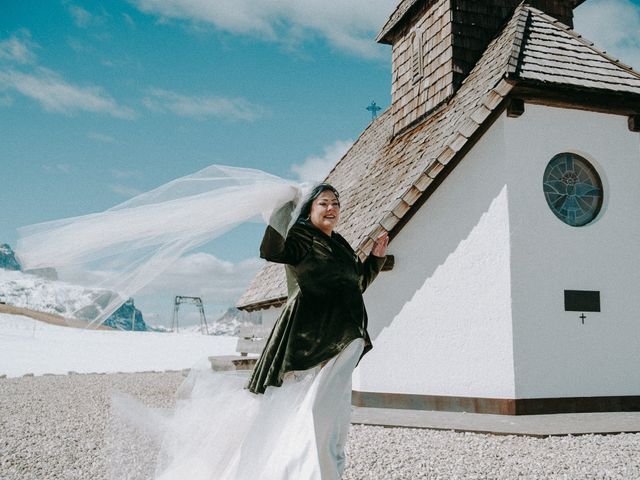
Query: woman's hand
{"points": [[380, 245], [281, 217]]}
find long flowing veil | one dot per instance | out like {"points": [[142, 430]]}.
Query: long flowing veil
{"points": [[124, 248]]}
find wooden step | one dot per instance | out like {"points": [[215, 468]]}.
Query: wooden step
{"points": [[225, 363]]}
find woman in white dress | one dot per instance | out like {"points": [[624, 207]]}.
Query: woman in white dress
{"points": [[292, 419], [323, 322]]}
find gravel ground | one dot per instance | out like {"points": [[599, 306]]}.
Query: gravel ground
{"points": [[52, 427]]}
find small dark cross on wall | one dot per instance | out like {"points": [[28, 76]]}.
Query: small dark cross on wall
{"points": [[582, 317], [374, 109]]}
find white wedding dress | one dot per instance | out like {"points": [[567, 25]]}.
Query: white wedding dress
{"points": [[221, 431]]}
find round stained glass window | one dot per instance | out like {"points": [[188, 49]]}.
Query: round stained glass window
{"points": [[573, 189]]}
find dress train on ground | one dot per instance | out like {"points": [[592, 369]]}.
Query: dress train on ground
{"points": [[221, 431]]}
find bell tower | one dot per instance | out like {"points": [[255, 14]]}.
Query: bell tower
{"points": [[436, 43]]}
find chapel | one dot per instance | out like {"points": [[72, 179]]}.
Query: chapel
{"points": [[506, 171]]}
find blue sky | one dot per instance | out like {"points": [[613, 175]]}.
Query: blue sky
{"points": [[100, 101]]}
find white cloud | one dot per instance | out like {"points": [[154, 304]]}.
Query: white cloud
{"points": [[203, 275], [18, 48], [101, 137], [6, 101], [128, 20], [57, 95], [58, 168], [81, 17], [159, 100], [19, 72], [614, 26], [315, 168], [124, 190], [126, 174], [79, 45], [347, 25]]}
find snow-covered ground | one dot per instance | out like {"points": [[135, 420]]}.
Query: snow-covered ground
{"points": [[31, 346]]}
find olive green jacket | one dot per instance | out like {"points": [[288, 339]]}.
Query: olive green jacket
{"points": [[324, 310]]}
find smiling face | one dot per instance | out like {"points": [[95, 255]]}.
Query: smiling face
{"points": [[325, 212]]}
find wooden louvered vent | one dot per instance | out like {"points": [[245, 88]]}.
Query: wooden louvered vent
{"points": [[416, 56]]}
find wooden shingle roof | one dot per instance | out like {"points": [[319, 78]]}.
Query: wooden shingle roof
{"points": [[552, 53], [382, 179]]}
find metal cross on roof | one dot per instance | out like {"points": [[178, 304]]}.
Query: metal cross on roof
{"points": [[374, 109]]}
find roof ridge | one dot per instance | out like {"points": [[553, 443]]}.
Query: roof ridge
{"points": [[401, 10], [587, 43], [513, 63], [515, 58]]}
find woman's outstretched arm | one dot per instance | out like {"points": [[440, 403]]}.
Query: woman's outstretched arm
{"points": [[291, 250], [275, 247], [374, 262]]}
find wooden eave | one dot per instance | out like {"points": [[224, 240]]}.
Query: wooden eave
{"points": [[563, 96], [276, 302], [405, 9]]}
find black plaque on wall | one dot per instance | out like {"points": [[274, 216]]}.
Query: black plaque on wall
{"points": [[582, 300]]}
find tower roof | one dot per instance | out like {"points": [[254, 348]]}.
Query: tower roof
{"points": [[404, 10]]}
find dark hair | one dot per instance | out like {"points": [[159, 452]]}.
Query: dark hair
{"points": [[305, 211]]}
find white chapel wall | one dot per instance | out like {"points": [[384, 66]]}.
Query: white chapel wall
{"points": [[555, 354], [441, 319]]}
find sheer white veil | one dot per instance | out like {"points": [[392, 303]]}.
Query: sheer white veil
{"points": [[124, 248]]}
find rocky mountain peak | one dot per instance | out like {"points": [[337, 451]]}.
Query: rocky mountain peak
{"points": [[8, 259]]}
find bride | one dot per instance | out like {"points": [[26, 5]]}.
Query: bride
{"points": [[296, 426], [322, 329]]}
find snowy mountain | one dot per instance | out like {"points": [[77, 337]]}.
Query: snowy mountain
{"points": [[123, 318], [41, 290], [8, 261], [36, 293], [32, 291], [231, 321], [8, 258]]}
